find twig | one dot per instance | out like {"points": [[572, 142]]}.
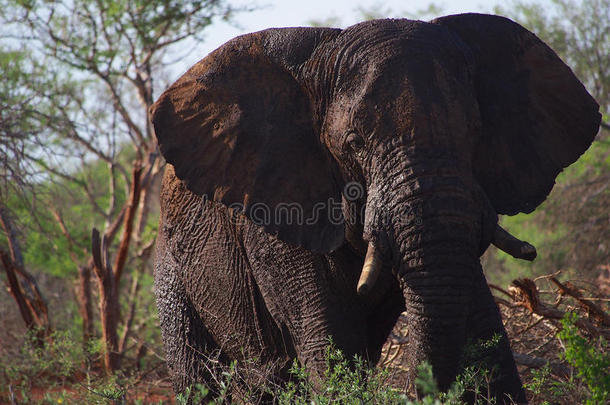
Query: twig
{"points": [[540, 346], [12, 395], [395, 355], [503, 302], [547, 276], [598, 312], [387, 353], [495, 287], [536, 322], [526, 295], [133, 294]]}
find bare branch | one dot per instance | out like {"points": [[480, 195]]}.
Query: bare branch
{"points": [[32, 306], [525, 294], [118, 104], [66, 233], [536, 362], [133, 293], [132, 205], [597, 311], [108, 300], [11, 235]]}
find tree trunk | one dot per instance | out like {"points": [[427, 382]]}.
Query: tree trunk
{"points": [[17, 293], [32, 306], [108, 301], [83, 291]]}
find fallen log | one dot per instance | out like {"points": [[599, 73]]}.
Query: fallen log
{"points": [[557, 369]]}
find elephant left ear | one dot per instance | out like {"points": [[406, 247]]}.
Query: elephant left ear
{"points": [[537, 117]]}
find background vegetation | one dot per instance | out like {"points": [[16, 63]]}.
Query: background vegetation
{"points": [[77, 154]]}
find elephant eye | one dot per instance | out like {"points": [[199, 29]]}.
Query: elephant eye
{"points": [[354, 141]]}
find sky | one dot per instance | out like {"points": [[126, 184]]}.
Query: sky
{"points": [[291, 13]]}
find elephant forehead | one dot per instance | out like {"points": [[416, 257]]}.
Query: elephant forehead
{"points": [[390, 42], [400, 65], [407, 97]]}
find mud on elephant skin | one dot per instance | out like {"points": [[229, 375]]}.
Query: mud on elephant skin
{"points": [[442, 125]]}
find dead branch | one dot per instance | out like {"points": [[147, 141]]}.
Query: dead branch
{"points": [[32, 305], [557, 369], [83, 287], [15, 290], [148, 178], [84, 300], [592, 308], [525, 294], [64, 230], [112, 230], [503, 302], [395, 355], [543, 344], [533, 324], [133, 293], [132, 205], [11, 235], [547, 276], [386, 352], [502, 290], [108, 300]]}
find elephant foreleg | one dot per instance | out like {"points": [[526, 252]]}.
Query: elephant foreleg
{"points": [[191, 353], [485, 325]]}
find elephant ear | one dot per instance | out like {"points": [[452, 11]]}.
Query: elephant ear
{"points": [[238, 128], [537, 117]]}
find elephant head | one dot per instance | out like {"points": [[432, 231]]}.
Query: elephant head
{"points": [[442, 125]]}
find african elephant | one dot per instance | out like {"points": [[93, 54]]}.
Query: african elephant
{"points": [[322, 181]]}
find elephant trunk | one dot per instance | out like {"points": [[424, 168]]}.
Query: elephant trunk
{"points": [[433, 227], [437, 250]]}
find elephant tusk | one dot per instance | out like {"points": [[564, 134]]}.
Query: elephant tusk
{"points": [[370, 270], [513, 246]]}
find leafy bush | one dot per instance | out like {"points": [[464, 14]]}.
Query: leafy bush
{"points": [[55, 360], [591, 365], [542, 385], [343, 382], [354, 382], [195, 395], [589, 383]]}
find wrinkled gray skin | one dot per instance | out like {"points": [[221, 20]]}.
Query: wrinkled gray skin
{"points": [[443, 124]]}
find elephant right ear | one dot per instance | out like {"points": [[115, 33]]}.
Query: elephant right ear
{"points": [[239, 129], [537, 118]]}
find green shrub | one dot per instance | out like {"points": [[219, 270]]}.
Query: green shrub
{"points": [[343, 382], [194, 395], [551, 391], [591, 364], [55, 360], [590, 382], [354, 382]]}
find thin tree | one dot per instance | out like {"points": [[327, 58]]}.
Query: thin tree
{"points": [[103, 58]]}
